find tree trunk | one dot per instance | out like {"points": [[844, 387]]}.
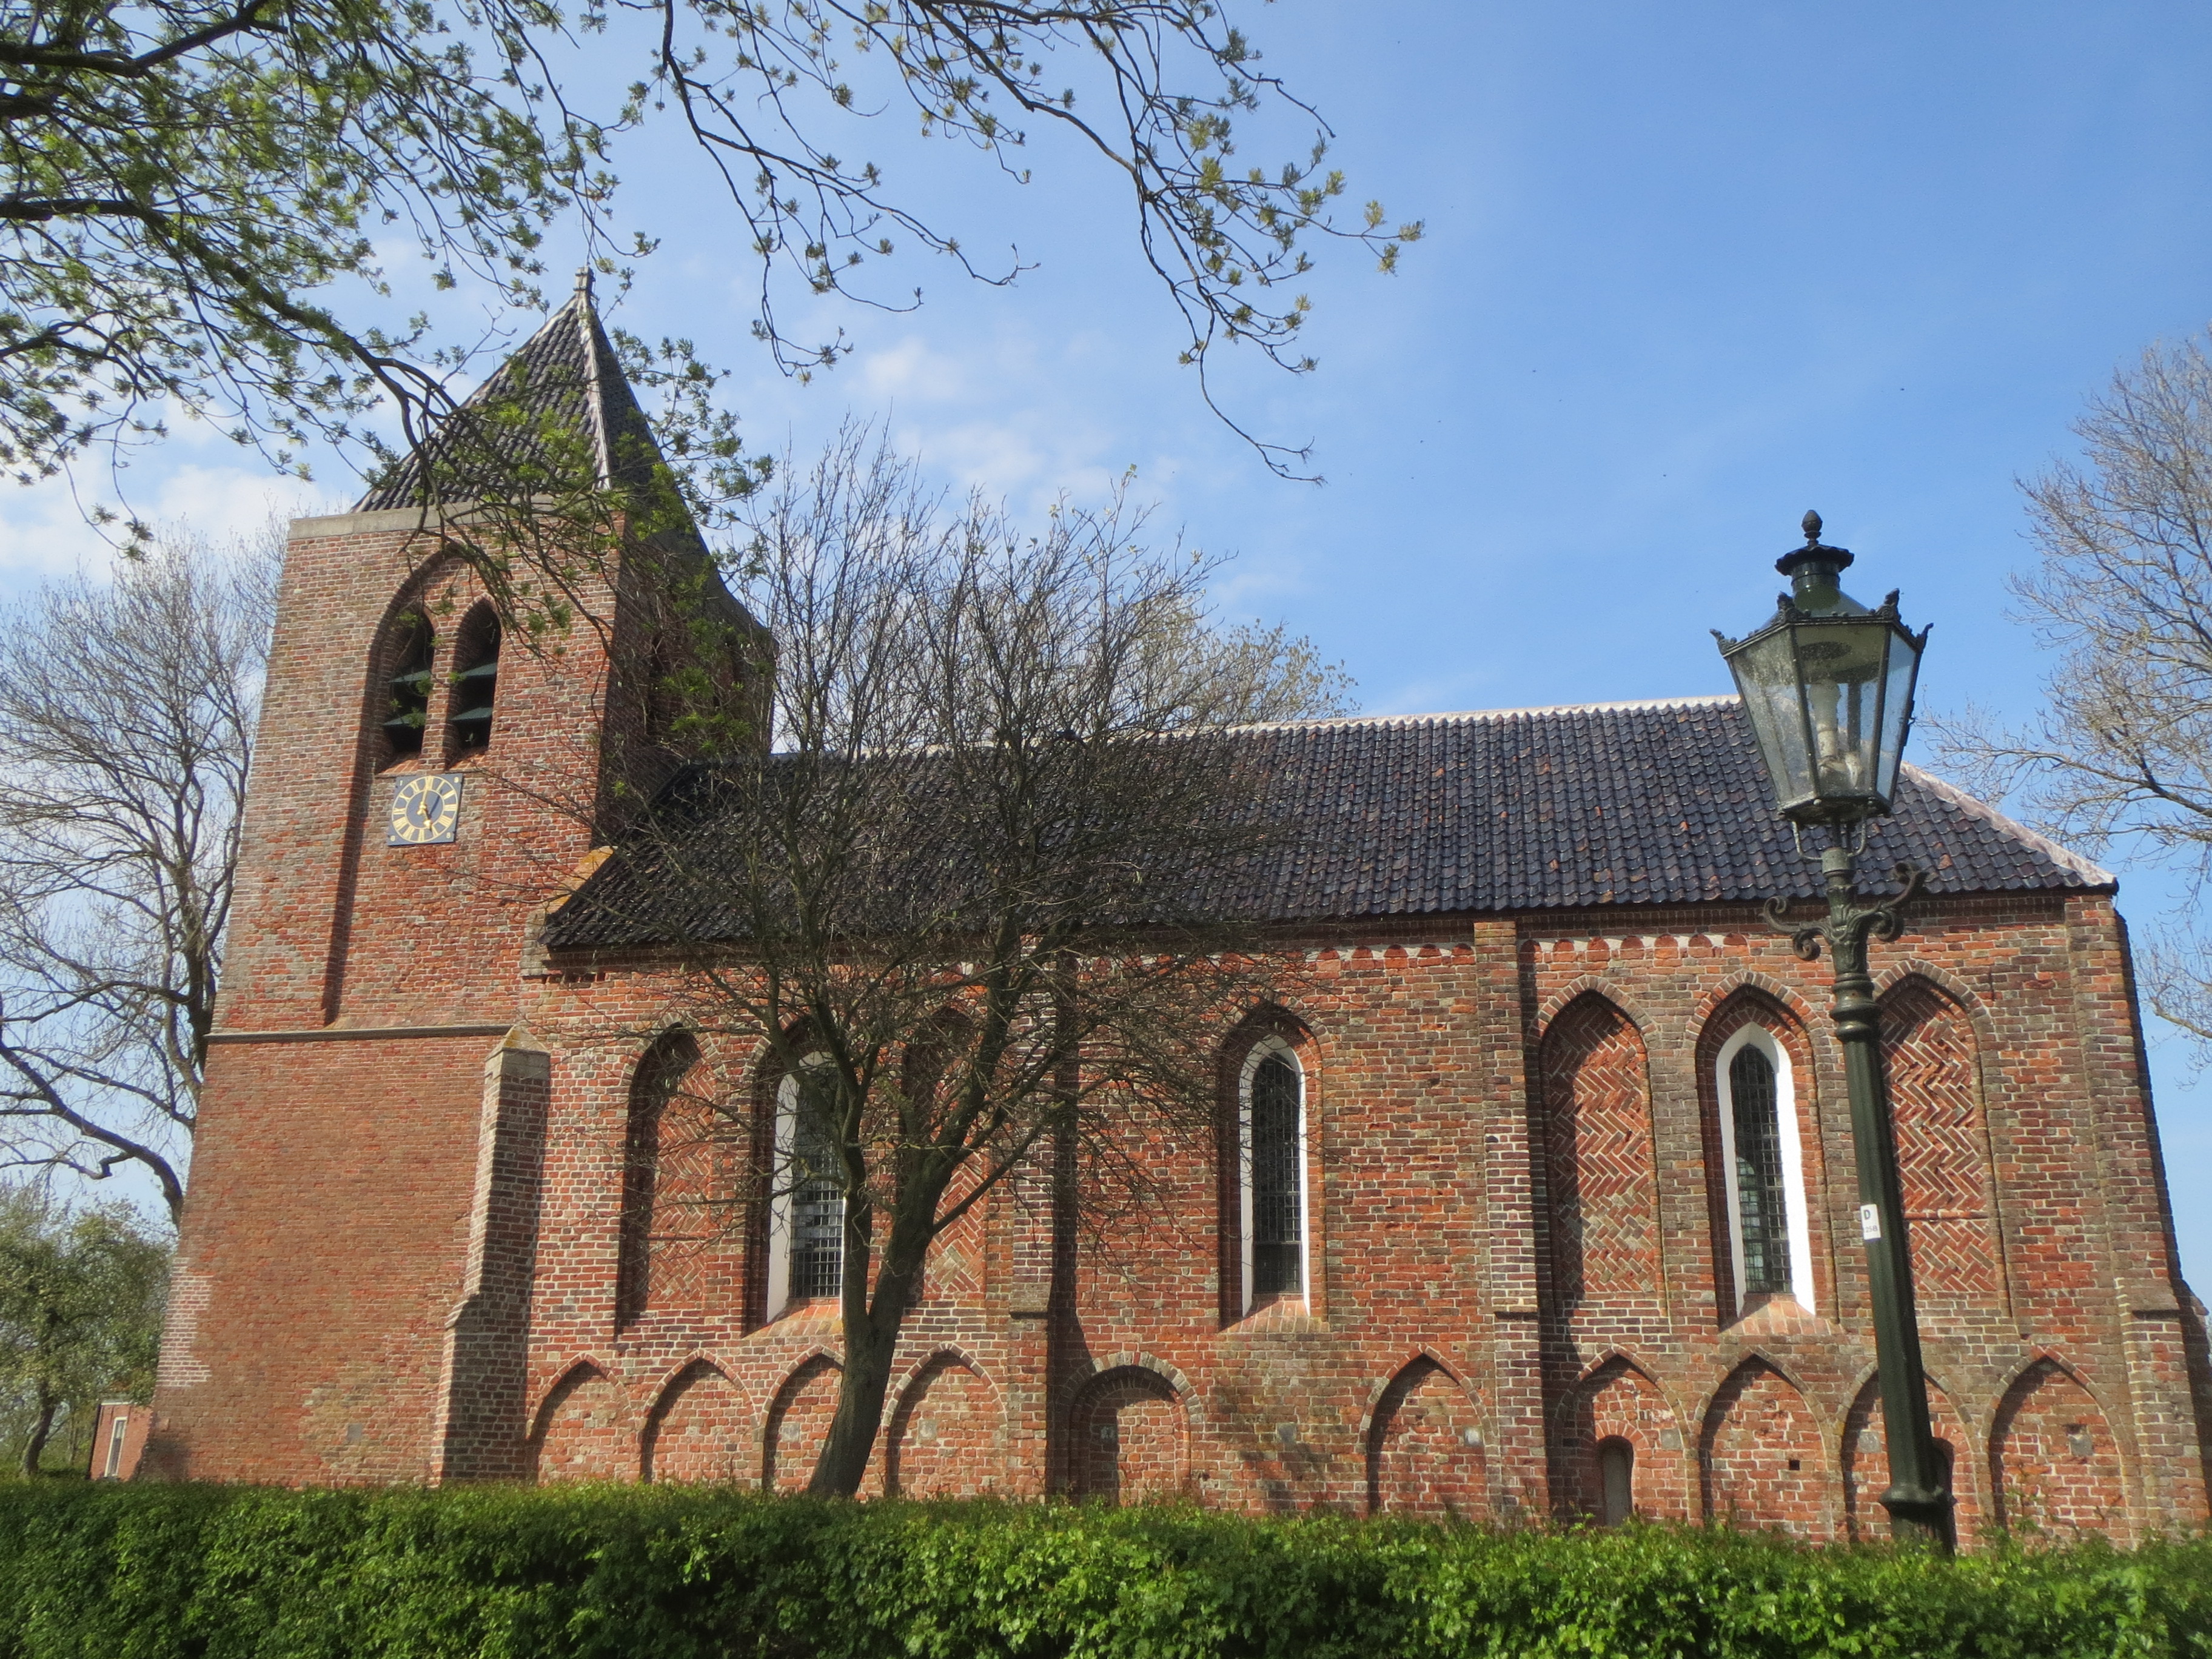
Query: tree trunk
{"points": [[42, 1428], [871, 1339]]}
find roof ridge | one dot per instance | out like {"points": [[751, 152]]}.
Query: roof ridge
{"points": [[595, 400], [1974, 806], [1711, 699]]}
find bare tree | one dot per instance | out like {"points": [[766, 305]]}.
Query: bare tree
{"points": [[968, 902], [127, 715], [2122, 751]]}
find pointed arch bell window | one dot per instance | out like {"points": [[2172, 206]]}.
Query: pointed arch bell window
{"points": [[407, 703], [476, 681]]}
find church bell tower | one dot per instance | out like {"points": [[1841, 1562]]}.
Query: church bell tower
{"points": [[461, 706]]}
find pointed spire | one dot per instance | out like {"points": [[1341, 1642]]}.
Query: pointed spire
{"points": [[566, 374]]}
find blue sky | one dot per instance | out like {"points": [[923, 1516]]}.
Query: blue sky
{"points": [[1689, 269]]}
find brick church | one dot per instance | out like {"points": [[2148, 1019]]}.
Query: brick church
{"points": [[1555, 1215]]}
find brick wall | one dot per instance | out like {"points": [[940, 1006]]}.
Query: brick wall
{"points": [[353, 1181], [481, 1236], [1514, 1253]]}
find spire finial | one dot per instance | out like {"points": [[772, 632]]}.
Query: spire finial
{"points": [[584, 282], [1811, 526]]}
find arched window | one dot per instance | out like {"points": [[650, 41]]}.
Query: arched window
{"points": [[1272, 1154], [1763, 1163], [476, 681], [806, 1216], [1616, 1480], [407, 692]]}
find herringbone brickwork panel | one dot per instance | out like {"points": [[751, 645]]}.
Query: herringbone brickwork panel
{"points": [[692, 1196], [1604, 1222], [1942, 1149]]}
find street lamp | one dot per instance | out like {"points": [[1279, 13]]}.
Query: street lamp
{"points": [[1827, 685]]}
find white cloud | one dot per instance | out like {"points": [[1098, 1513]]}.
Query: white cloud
{"points": [[43, 530], [910, 371]]}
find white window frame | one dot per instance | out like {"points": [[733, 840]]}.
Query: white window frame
{"points": [[779, 1208], [118, 1427], [1789, 1126], [1260, 1052]]}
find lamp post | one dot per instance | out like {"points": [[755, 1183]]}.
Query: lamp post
{"points": [[1827, 685]]}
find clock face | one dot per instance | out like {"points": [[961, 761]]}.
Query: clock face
{"points": [[426, 809]]}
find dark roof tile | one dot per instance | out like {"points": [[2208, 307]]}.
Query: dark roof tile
{"points": [[565, 377], [1629, 804]]}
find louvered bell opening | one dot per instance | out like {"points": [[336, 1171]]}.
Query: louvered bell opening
{"points": [[475, 692], [410, 711]]}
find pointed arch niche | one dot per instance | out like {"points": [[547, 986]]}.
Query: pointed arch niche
{"points": [[1760, 1458], [1866, 1465], [583, 1431], [2055, 1465], [946, 1436], [701, 1429], [1619, 1451], [679, 1203], [1604, 1186], [799, 1423], [1933, 1063], [1425, 1449]]}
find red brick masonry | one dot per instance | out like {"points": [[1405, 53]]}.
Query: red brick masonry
{"points": [[403, 1253]]}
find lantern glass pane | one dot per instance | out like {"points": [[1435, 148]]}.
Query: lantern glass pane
{"points": [[1841, 664], [1767, 676], [1897, 711]]}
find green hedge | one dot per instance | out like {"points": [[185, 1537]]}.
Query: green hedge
{"points": [[161, 1573]]}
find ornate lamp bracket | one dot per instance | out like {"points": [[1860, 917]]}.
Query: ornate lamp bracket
{"points": [[1849, 924]]}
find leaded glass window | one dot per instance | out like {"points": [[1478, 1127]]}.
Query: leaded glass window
{"points": [[1763, 1226], [1277, 1180], [818, 1201]]}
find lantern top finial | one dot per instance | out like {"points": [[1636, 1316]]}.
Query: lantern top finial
{"points": [[1824, 561]]}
